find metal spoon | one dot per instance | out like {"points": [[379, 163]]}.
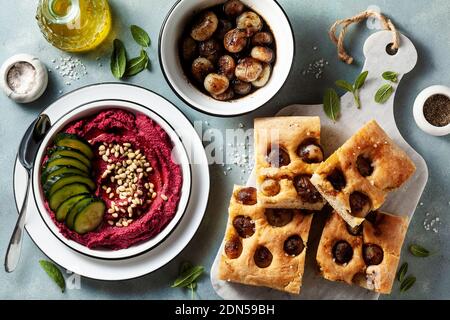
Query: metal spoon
{"points": [[27, 153]]}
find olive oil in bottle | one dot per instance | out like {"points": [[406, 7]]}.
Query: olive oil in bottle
{"points": [[74, 25]]}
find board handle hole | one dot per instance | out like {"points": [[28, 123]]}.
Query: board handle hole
{"points": [[390, 50]]}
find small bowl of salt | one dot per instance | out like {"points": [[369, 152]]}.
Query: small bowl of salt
{"points": [[432, 110], [23, 78]]}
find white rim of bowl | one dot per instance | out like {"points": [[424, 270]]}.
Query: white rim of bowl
{"points": [[137, 249], [247, 100]]}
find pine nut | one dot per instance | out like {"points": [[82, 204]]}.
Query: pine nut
{"points": [[102, 148], [115, 215], [164, 197], [110, 222]]}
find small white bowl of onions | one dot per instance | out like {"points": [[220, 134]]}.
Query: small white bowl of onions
{"points": [[226, 58]]}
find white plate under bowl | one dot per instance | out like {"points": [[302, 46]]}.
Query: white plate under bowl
{"points": [[178, 153], [169, 38], [176, 241]]}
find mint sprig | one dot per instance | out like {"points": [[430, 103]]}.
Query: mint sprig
{"points": [[354, 88], [121, 66], [187, 277]]}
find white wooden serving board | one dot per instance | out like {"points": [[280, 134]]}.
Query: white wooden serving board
{"points": [[401, 202]]}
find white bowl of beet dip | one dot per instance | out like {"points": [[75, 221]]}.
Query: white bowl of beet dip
{"points": [[248, 45], [432, 110], [154, 196]]}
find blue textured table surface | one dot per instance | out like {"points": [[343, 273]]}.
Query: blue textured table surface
{"points": [[424, 22]]}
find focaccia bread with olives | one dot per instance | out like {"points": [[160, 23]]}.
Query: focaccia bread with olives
{"points": [[356, 178], [367, 255], [287, 151], [264, 247]]}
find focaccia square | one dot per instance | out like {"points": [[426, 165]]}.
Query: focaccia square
{"points": [[287, 151], [356, 178], [367, 255], [264, 247]]}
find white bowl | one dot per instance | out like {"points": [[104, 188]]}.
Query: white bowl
{"points": [[170, 35], [178, 153], [418, 110]]}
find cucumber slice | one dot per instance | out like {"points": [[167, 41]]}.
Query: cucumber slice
{"points": [[89, 217], [75, 209], [65, 207], [75, 142], [71, 153], [58, 170], [66, 161], [65, 193], [57, 182]]}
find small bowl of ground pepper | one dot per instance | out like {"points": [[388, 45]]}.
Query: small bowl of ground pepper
{"points": [[432, 110]]}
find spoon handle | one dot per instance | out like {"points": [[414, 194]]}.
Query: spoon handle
{"points": [[15, 244]]}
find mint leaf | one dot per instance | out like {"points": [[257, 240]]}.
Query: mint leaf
{"points": [[383, 94], [419, 251], [54, 273], [402, 272], [390, 76], [118, 59], [188, 277], [136, 65], [140, 36], [407, 283], [347, 86], [360, 80], [331, 104]]}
